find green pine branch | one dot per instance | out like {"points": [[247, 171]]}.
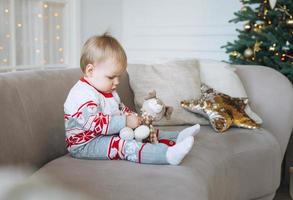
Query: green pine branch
{"points": [[272, 32]]}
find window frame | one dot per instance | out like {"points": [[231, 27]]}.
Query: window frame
{"points": [[71, 33]]}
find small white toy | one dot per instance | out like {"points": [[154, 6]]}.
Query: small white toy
{"points": [[126, 133], [153, 109], [141, 133]]}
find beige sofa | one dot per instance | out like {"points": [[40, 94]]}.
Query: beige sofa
{"points": [[241, 164]]}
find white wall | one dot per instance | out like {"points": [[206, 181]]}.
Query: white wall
{"points": [[98, 16], [152, 29]]}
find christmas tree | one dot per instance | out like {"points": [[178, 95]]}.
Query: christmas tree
{"points": [[267, 35]]}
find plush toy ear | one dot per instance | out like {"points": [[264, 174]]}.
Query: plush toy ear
{"points": [[168, 112], [151, 95]]}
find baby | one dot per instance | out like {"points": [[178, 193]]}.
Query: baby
{"points": [[94, 114]]}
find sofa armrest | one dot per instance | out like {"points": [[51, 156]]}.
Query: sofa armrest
{"points": [[271, 97], [31, 120]]}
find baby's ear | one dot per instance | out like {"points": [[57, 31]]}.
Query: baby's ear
{"points": [[151, 95], [168, 112], [89, 70]]}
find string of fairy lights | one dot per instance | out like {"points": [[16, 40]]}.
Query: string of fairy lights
{"points": [[283, 52], [44, 15]]}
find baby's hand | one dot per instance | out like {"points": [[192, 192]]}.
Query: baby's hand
{"points": [[132, 121], [140, 120]]}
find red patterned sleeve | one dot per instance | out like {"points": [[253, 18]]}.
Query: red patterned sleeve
{"points": [[126, 110], [89, 122]]}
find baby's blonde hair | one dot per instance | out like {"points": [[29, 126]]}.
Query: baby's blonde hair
{"points": [[100, 48]]}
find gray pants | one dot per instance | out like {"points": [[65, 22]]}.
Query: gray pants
{"points": [[114, 148]]}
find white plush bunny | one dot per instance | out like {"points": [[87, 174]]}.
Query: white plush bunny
{"points": [[153, 109]]}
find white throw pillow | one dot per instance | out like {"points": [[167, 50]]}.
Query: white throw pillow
{"points": [[173, 82], [222, 77]]}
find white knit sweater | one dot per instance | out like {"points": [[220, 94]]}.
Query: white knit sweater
{"points": [[90, 113]]}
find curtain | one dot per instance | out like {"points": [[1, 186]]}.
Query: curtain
{"points": [[37, 29], [5, 35]]}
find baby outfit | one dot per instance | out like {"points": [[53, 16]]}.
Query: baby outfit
{"points": [[93, 120]]}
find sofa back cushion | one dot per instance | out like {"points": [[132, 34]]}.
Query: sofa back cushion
{"points": [[173, 81]]}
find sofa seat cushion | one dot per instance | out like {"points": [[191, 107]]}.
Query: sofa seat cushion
{"points": [[241, 164]]}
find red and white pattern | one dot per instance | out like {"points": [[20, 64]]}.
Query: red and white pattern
{"points": [[100, 127], [95, 124], [88, 113], [80, 138], [66, 116], [125, 109], [107, 95], [115, 148], [139, 153], [167, 142]]}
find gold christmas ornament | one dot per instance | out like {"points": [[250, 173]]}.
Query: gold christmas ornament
{"points": [[256, 29], [235, 54], [285, 10], [220, 109], [289, 22], [247, 27], [257, 46], [258, 26], [248, 53]]}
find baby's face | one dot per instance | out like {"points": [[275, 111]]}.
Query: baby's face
{"points": [[105, 76]]}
